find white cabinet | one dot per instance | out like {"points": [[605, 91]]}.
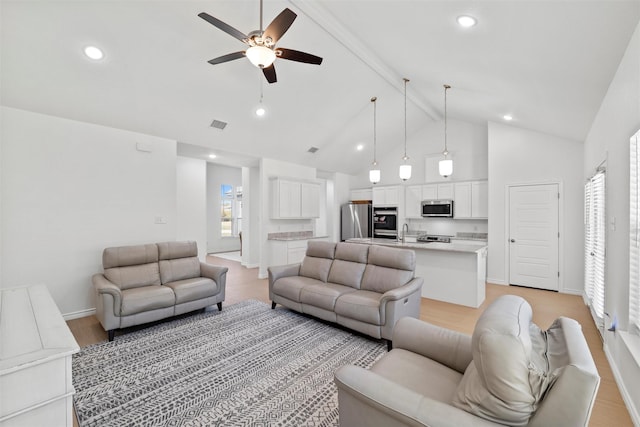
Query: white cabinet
{"points": [[413, 201], [437, 191], [471, 200], [480, 199], [292, 199], [362, 194], [386, 196], [287, 251], [36, 385]]}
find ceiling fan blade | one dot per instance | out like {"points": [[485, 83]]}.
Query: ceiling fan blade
{"points": [[224, 27], [270, 73], [226, 58], [296, 55], [279, 25]]}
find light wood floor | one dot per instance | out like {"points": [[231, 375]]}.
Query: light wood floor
{"points": [[609, 409]]}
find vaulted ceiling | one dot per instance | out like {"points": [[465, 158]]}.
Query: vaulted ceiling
{"points": [[547, 63]]}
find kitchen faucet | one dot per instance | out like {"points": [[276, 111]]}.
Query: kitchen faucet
{"points": [[405, 226]]}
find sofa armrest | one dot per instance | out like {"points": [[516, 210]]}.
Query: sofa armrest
{"points": [[366, 398], [214, 272], [102, 285], [279, 271], [415, 285], [445, 346], [400, 302]]}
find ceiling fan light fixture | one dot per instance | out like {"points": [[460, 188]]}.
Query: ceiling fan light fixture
{"points": [[261, 56]]}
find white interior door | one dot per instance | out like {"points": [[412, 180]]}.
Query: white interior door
{"points": [[534, 236]]}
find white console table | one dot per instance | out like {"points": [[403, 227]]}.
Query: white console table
{"points": [[36, 349]]}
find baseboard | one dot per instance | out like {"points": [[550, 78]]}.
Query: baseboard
{"points": [[250, 265], [572, 292], [496, 281], [628, 402], [79, 314]]}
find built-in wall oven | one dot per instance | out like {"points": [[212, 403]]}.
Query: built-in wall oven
{"points": [[385, 223]]}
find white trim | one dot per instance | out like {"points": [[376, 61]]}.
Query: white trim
{"points": [[251, 266], [633, 411], [79, 314], [497, 281]]}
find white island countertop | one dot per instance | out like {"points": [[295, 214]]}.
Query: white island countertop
{"points": [[467, 246]]}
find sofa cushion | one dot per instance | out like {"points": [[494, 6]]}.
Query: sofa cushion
{"points": [[124, 256], [354, 252], [346, 273], [193, 289], [134, 276], [360, 305], [323, 295], [509, 373], [420, 374], [388, 268], [179, 269], [321, 249], [289, 287], [173, 250], [147, 298]]}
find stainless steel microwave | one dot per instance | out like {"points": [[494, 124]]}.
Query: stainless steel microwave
{"points": [[437, 208]]}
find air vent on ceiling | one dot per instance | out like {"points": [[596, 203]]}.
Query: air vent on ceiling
{"points": [[312, 150], [218, 124]]}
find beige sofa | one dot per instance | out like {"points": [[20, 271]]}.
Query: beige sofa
{"points": [[366, 288], [145, 283], [509, 372]]}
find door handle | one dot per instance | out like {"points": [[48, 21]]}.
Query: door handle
{"points": [[512, 240]]}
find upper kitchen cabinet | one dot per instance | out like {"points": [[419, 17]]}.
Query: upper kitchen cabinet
{"points": [[293, 199], [437, 191], [362, 194], [413, 199], [386, 196], [471, 200]]}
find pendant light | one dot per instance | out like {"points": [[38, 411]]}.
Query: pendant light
{"points": [[405, 168], [445, 166], [374, 172]]}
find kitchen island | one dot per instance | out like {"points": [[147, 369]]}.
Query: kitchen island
{"points": [[452, 272]]}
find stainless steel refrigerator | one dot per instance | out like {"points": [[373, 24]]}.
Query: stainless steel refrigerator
{"points": [[356, 221]]}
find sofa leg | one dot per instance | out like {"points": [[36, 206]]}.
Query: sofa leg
{"points": [[112, 334], [389, 345], [220, 306], [273, 305]]}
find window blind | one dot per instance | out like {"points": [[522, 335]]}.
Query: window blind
{"points": [[634, 236], [595, 224]]}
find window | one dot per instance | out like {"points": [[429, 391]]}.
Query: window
{"points": [[594, 256], [230, 211], [634, 235]]}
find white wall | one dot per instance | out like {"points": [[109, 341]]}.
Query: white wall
{"points": [[216, 176], [70, 189], [466, 142], [520, 156], [617, 120], [191, 209], [252, 241]]}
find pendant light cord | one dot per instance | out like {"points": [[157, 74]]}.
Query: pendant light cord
{"points": [[405, 118], [374, 99], [446, 87]]}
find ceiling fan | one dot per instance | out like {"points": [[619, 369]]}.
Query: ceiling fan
{"points": [[262, 50]]}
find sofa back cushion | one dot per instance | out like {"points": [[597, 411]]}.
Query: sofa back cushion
{"points": [[510, 371], [131, 266], [318, 259], [178, 261], [348, 265], [388, 268]]}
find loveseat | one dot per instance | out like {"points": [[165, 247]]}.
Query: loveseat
{"points": [[367, 288], [509, 372], [145, 283]]}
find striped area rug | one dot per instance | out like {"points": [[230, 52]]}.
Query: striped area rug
{"points": [[245, 366]]}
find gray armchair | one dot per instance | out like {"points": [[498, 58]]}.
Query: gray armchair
{"points": [[508, 373]]}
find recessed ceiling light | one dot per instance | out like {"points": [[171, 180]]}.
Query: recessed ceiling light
{"points": [[360, 147], [467, 21], [93, 52], [212, 156], [507, 117], [260, 111]]}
